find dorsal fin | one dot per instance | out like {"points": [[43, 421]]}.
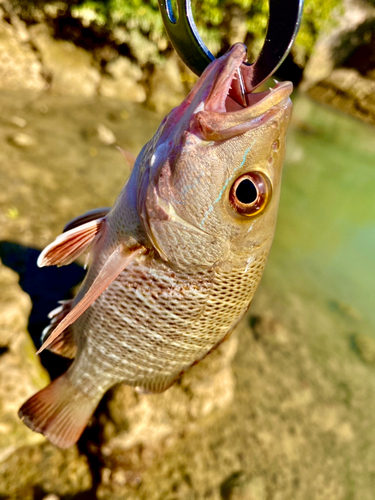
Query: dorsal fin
{"points": [[71, 244], [129, 157], [117, 262]]}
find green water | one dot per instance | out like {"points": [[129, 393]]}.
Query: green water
{"points": [[325, 238]]}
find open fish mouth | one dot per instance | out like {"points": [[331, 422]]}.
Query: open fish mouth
{"points": [[230, 110]]}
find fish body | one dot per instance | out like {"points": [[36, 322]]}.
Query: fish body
{"points": [[176, 261]]}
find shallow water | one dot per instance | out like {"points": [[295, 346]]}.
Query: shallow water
{"points": [[325, 238]]}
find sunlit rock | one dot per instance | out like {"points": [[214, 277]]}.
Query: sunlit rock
{"points": [[122, 81], [20, 67], [70, 69], [21, 373]]}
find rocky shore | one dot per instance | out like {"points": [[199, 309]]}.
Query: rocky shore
{"points": [[283, 410], [340, 70]]}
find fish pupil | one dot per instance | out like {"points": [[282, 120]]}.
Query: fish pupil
{"points": [[246, 192]]}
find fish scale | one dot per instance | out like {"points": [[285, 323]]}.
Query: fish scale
{"points": [[175, 263], [129, 333]]}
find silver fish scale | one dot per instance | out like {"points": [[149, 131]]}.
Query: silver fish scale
{"points": [[151, 324]]}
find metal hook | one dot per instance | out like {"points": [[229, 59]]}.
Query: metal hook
{"points": [[283, 24]]}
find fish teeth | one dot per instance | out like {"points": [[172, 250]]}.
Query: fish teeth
{"points": [[199, 108]]}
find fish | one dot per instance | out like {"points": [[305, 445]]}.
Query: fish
{"points": [[174, 264]]}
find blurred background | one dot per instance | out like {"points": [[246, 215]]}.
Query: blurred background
{"points": [[286, 408]]}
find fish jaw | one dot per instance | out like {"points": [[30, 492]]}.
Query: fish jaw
{"points": [[185, 172]]}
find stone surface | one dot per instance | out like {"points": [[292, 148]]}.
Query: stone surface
{"points": [[33, 470], [70, 69], [105, 134], [122, 82], [140, 428], [366, 348], [348, 90], [20, 67], [333, 49], [331, 74], [27, 463], [21, 374]]}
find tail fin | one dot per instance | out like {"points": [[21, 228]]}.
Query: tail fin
{"points": [[60, 412]]}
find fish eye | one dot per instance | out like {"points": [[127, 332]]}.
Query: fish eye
{"points": [[250, 193]]}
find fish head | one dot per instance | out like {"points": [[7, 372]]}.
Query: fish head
{"points": [[208, 183]]}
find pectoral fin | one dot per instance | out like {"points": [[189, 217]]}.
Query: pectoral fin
{"points": [[91, 215], [117, 262], [71, 244]]}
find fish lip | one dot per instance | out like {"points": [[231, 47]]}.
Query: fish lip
{"points": [[220, 112], [218, 125]]}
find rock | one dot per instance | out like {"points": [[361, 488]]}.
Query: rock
{"points": [[26, 460], [122, 82], [166, 88], [348, 90], [105, 134], [22, 140], [365, 346], [71, 68], [44, 468], [18, 121], [239, 487], [20, 67], [332, 75], [333, 49], [123, 67], [21, 373], [141, 427]]}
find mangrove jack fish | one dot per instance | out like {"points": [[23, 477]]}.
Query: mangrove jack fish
{"points": [[176, 261]]}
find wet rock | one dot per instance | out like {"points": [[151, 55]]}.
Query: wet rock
{"points": [[21, 374], [71, 69], [166, 88], [122, 82], [20, 67]]}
